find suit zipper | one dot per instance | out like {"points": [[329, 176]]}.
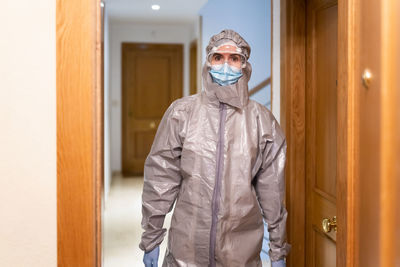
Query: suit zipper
{"points": [[217, 186]]}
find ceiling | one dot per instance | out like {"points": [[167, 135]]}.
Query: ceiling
{"points": [[140, 10]]}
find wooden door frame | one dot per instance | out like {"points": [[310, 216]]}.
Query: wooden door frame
{"points": [[293, 66], [193, 73], [379, 184], [80, 149]]}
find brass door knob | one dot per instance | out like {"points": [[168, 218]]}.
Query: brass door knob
{"points": [[152, 125], [329, 224]]}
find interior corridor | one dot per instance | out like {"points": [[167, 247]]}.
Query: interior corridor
{"points": [[122, 230]]}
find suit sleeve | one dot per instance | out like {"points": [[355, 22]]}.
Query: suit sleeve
{"points": [[162, 179], [270, 187]]}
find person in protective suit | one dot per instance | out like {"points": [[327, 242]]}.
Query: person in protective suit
{"points": [[221, 157]]}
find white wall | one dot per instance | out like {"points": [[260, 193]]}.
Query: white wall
{"points": [[28, 233], [276, 59], [252, 20], [123, 31]]}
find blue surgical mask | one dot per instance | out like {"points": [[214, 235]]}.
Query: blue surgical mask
{"points": [[224, 74]]}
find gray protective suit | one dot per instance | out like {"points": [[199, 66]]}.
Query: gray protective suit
{"points": [[221, 156]]}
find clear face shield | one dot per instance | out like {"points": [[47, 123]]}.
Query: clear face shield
{"points": [[226, 53]]}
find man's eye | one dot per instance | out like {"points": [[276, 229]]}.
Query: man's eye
{"points": [[217, 58]]}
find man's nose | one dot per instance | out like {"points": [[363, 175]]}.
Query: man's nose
{"points": [[226, 66]]}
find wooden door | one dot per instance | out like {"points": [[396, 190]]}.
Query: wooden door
{"points": [[310, 31], [321, 130], [151, 80]]}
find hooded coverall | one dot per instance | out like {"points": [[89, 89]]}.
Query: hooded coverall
{"points": [[221, 157]]}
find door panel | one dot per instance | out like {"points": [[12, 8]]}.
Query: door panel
{"points": [[326, 100], [147, 87], [323, 249], [321, 130], [151, 80]]}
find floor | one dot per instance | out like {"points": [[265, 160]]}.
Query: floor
{"points": [[122, 230]]}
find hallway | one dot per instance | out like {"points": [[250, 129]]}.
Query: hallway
{"points": [[122, 230], [330, 71]]}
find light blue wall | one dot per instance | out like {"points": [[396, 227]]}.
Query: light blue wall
{"points": [[252, 20]]}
